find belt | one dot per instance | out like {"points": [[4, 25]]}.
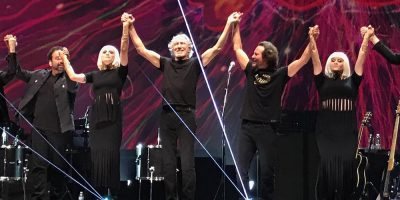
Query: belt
{"points": [[178, 108], [246, 121]]}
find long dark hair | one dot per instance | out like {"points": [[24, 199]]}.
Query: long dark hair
{"points": [[270, 54]]}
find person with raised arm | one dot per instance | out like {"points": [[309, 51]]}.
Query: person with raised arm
{"points": [[336, 125], [105, 118], [48, 103], [261, 110], [181, 72]]}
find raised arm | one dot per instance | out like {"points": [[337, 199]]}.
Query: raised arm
{"points": [[296, 65], [313, 34], [382, 49], [13, 64], [358, 68], [151, 56], [80, 78], [124, 41], [241, 56], [210, 53]]}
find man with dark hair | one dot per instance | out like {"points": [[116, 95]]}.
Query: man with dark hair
{"points": [[49, 104], [7, 76], [261, 110]]}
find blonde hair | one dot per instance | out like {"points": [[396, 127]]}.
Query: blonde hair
{"points": [[346, 65], [114, 64], [178, 37]]}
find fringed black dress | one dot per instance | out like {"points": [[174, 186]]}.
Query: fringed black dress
{"points": [[336, 132], [106, 126]]}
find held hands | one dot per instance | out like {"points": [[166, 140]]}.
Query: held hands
{"points": [[234, 18], [127, 19], [11, 42], [313, 32], [367, 32]]}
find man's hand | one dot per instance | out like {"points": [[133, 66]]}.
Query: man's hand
{"points": [[314, 32], [234, 18], [127, 19], [11, 42], [367, 31]]}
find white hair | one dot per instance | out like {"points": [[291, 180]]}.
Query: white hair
{"points": [[178, 38], [114, 64], [346, 65]]}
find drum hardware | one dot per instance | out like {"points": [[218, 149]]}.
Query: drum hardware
{"points": [[14, 163], [149, 164], [151, 169], [3, 137], [81, 133], [149, 158]]}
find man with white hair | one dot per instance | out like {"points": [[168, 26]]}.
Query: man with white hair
{"points": [[181, 73]]}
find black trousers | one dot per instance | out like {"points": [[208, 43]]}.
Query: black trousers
{"points": [[43, 177], [174, 133], [253, 137]]}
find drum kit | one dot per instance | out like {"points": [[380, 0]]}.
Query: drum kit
{"points": [[13, 156]]}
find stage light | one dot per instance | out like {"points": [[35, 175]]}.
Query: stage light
{"points": [[251, 184], [128, 183]]}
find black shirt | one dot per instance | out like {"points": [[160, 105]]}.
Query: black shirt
{"points": [[45, 114], [107, 87], [336, 88], [264, 88], [180, 81]]}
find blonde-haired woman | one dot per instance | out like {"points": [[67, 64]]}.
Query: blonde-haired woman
{"points": [[336, 131], [106, 113]]}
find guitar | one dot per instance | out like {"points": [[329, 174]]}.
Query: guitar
{"points": [[361, 159], [390, 177]]}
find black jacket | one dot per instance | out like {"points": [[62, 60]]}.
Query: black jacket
{"points": [[392, 57], [64, 91], [6, 77]]}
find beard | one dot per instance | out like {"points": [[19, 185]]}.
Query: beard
{"points": [[59, 68]]}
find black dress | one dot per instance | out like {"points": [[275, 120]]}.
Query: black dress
{"points": [[336, 134], [106, 126]]}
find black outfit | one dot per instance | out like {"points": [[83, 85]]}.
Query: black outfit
{"points": [[48, 103], [5, 78], [381, 48], [179, 89], [106, 127], [336, 134], [260, 115]]}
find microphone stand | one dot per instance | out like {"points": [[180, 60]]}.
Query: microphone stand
{"points": [[223, 137]]}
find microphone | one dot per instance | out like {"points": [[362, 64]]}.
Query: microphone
{"points": [[231, 66]]}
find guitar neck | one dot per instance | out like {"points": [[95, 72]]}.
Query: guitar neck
{"points": [[359, 138], [394, 143]]}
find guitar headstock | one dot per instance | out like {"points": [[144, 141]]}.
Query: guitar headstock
{"points": [[367, 118]]}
